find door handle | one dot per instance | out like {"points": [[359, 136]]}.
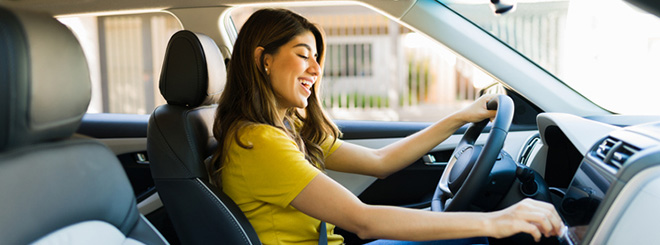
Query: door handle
{"points": [[429, 160]]}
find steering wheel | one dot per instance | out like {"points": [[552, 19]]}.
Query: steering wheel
{"points": [[469, 166]]}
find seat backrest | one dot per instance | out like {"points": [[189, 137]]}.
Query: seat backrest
{"points": [[180, 138], [56, 188]]}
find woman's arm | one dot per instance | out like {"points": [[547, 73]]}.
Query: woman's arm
{"points": [[325, 199], [396, 156]]}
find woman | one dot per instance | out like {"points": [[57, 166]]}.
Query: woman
{"points": [[276, 141]]}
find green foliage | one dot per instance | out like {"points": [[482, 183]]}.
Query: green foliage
{"points": [[356, 100]]}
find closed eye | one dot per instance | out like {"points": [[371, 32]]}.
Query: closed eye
{"points": [[304, 57]]}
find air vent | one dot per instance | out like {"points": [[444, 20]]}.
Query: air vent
{"points": [[614, 152], [527, 151], [621, 155], [605, 147]]}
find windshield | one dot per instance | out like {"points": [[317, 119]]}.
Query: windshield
{"points": [[607, 50]]}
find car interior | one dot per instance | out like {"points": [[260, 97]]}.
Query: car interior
{"points": [[57, 187], [72, 175]]}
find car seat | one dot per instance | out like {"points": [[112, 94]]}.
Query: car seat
{"points": [[56, 187], [180, 138]]}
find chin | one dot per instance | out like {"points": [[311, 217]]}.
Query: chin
{"points": [[302, 104]]}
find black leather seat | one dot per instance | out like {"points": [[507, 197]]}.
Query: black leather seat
{"points": [[55, 188], [180, 138]]}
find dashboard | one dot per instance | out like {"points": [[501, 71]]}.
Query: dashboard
{"points": [[604, 179]]}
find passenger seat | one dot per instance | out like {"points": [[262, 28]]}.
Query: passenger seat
{"points": [[56, 188]]}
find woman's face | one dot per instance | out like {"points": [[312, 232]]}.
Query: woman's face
{"points": [[293, 70]]}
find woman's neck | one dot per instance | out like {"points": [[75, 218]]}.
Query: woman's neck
{"points": [[280, 117]]}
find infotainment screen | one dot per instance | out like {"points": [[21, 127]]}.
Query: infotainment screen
{"points": [[584, 195]]}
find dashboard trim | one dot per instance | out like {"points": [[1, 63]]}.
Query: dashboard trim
{"points": [[612, 209], [583, 133]]}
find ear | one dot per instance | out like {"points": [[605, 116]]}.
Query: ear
{"points": [[257, 57]]}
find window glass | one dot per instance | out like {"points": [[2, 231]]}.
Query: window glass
{"points": [[125, 54], [377, 69], [607, 50]]}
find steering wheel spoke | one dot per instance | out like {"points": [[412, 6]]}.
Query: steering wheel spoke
{"points": [[469, 166], [443, 184]]}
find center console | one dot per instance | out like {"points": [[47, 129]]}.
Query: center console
{"points": [[589, 207]]}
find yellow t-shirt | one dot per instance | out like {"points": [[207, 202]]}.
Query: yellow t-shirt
{"points": [[265, 179]]}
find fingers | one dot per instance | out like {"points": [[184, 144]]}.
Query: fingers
{"points": [[487, 97], [554, 224], [531, 229], [483, 102], [540, 216], [478, 110]]}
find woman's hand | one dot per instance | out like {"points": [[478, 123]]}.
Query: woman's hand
{"points": [[477, 111], [529, 216]]}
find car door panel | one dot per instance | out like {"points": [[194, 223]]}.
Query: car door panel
{"points": [[114, 125], [126, 136]]}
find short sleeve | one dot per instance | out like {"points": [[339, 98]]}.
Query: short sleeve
{"points": [[329, 146], [275, 170]]}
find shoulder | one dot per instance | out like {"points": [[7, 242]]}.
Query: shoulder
{"points": [[263, 134], [260, 131]]}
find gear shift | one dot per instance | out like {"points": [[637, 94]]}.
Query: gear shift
{"points": [[528, 185]]}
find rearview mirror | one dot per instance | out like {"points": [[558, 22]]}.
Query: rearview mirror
{"points": [[502, 6]]}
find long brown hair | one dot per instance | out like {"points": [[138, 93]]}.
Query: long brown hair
{"points": [[249, 98]]}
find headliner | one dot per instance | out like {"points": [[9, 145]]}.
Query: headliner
{"points": [[396, 8]]}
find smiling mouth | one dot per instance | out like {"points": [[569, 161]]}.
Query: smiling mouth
{"points": [[306, 84]]}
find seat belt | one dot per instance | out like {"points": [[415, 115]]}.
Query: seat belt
{"points": [[323, 234]]}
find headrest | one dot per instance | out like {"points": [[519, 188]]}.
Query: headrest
{"points": [[193, 72], [45, 85]]}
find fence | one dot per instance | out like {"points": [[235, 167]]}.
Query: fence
{"points": [[132, 51], [377, 69], [536, 29]]}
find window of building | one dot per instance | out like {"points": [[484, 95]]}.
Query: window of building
{"points": [[125, 54]]}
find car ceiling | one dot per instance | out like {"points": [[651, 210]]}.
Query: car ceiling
{"points": [[64, 7], [395, 8]]}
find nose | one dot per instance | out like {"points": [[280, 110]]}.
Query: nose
{"points": [[314, 67]]}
